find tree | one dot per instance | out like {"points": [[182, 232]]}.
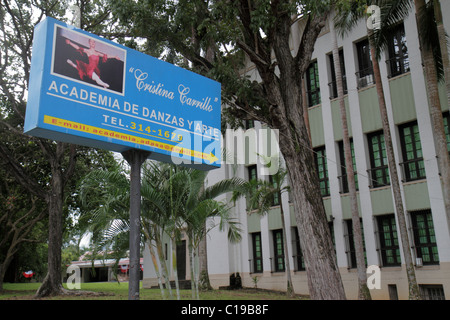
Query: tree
{"points": [[363, 290], [20, 213], [430, 57], [187, 204], [262, 195], [173, 200], [347, 18], [17, 22], [434, 52], [201, 207], [259, 30]]}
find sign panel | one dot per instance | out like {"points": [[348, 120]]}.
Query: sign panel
{"points": [[90, 91]]}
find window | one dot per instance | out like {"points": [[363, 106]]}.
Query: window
{"points": [[298, 258], [390, 251], [278, 248], [398, 62], [313, 85], [321, 164], [249, 124], [379, 172], [413, 166], [365, 73], [351, 251], [252, 174], [343, 178], [331, 228], [275, 195], [333, 83], [393, 294], [257, 252], [432, 292], [424, 237], [446, 116]]}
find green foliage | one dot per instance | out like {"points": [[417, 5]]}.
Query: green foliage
{"points": [[172, 198], [260, 193], [351, 12], [119, 291]]}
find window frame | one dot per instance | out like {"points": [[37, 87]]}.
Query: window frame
{"points": [[279, 264], [351, 252], [258, 266], [333, 84], [343, 181], [276, 197], [417, 160], [393, 235], [384, 169], [446, 116], [324, 190], [298, 258], [250, 170], [428, 233], [398, 62], [314, 96], [364, 75]]}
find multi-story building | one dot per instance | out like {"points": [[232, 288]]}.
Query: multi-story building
{"points": [[260, 255]]}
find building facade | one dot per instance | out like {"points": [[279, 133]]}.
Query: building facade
{"points": [[260, 258]]}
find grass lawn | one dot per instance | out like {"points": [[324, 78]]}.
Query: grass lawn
{"points": [[119, 291]]}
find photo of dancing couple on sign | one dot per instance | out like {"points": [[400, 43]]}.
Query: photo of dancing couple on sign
{"points": [[88, 60]]}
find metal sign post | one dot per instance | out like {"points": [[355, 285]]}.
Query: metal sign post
{"points": [[135, 158]]}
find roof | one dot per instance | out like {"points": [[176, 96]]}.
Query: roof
{"points": [[103, 263]]}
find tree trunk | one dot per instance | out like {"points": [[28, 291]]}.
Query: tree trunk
{"points": [[393, 174], [156, 266], [152, 252], [159, 249], [52, 284], [324, 279], [363, 290], [175, 267], [204, 283], [290, 286], [284, 92], [4, 266], [443, 45], [435, 103]]}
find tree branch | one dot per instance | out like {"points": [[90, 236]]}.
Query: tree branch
{"points": [[313, 28], [18, 172]]}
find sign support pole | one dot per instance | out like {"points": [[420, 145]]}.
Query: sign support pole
{"points": [[135, 158]]}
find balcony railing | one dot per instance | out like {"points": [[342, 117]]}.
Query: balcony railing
{"points": [[379, 177], [253, 265], [332, 86], [277, 264], [365, 77], [397, 66], [413, 169], [299, 264], [343, 183]]}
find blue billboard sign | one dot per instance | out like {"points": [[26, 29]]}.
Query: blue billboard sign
{"points": [[90, 91]]}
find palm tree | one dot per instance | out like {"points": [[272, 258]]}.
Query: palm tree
{"points": [[106, 214], [173, 199], [345, 20], [262, 195], [429, 60], [434, 51], [364, 293], [190, 205]]}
